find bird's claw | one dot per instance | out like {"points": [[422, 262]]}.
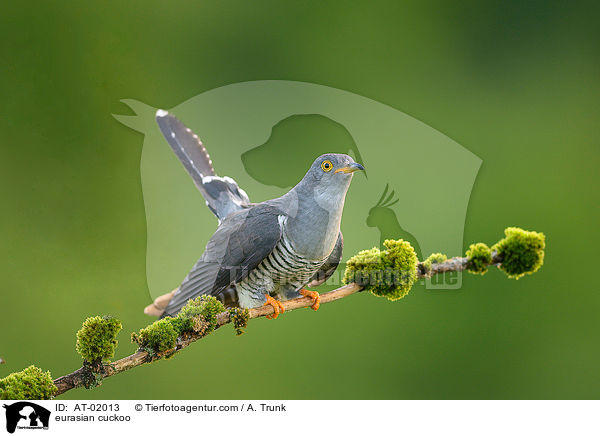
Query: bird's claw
{"points": [[277, 307], [314, 295]]}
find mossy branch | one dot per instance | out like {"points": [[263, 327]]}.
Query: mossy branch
{"points": [[81, 377], [389, 273]]}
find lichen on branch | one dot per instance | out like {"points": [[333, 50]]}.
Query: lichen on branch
{"points": [[239, 317], [433, 259]]}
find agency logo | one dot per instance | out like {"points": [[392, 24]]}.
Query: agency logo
{"points": [[26, 415]]}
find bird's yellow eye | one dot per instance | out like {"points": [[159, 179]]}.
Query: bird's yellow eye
{"points": [[326, 165]]}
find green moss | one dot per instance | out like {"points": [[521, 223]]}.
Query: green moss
{"points": [[30, 384], [96, 340], [240, 318], [181, 324], [364, 268], [401, 259], [521, 251], [433, 258], [389, 273], [205, 306], [158, 337], [479, 257], [198, 316]]}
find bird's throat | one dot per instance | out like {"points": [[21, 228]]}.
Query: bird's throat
{"points": [[315, 226]]}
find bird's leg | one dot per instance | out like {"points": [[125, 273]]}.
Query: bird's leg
{"points": [[314, 295], [277, 307]]}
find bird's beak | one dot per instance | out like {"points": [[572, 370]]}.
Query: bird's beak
{"points": [[350, 168]]}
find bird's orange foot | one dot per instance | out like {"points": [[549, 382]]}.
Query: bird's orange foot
{"points": [[314, 295], [277, 307]]}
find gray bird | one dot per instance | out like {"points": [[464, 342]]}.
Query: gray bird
{"points": [[261, 253]]}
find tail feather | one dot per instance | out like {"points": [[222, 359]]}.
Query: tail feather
{"points": [[222, 194]]}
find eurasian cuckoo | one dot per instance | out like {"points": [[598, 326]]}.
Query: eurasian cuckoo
{"points": [[261, 253]]}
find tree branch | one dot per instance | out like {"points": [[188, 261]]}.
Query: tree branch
{"points": [[453, 264], [88, 375]]}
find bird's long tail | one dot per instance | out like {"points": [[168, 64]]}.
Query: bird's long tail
{"points": [[222, 194]]}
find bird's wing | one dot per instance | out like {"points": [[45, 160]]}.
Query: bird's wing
{"points": [[330, 264], [222, 194], [240, 243]]}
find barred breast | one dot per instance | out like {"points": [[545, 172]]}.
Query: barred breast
{"points": [[284, 269]]}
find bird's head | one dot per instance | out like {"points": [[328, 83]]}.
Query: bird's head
{"points": [[333, 168], [331, 174]]}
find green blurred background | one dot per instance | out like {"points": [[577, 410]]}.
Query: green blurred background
{"points": [[517, 83]]}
